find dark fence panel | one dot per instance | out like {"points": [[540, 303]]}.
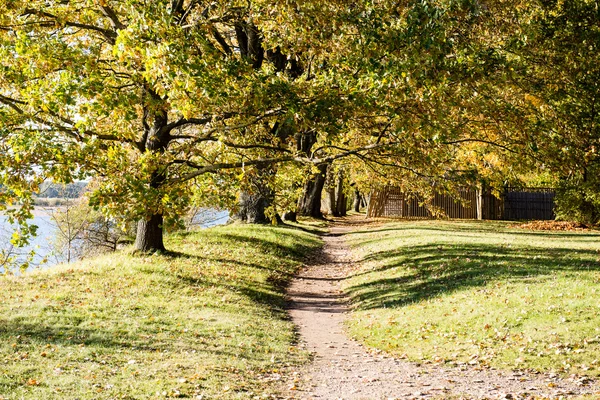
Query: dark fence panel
{"points": [[492, 206], [529, 203]]}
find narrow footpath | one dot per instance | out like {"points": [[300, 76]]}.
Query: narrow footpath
{"points": [[343, 369]]}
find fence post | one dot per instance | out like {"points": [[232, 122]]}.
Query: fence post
{"points": [[479, 201]]}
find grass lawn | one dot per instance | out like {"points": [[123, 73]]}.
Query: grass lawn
{"points": [[204, 322], [479, 293]]}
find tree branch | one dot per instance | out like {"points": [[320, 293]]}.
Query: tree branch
{"points": [[12, 103], [110, 35], [219, 166], [274, 160], [459, 141], [187, 121], [112, 16], [219, 38], [254, 146]]}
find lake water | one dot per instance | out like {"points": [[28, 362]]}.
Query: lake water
{"points": [[42, 243]]}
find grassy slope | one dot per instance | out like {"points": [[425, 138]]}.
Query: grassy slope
{"points": [[205, 321], [480, 293]]}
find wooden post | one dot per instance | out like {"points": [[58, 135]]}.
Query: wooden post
{"points": [[479, 201]]}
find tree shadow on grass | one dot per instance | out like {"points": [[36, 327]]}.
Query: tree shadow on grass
{"points": [[65, 327], [269, 293], [277, 266], [93, 344], [426, 271], [295, 250], [471, 227], [261, 280]]}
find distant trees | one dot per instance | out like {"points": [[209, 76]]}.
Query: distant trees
{"points": [[55, 190], [537, 70], [81, 232]]}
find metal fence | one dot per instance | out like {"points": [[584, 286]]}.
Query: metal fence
{"points": [[513, 204]]}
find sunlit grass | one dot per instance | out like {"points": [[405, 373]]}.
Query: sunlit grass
{"points": [[481, 294], [207, 320]]}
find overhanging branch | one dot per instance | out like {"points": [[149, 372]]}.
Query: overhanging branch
{"points": [[110, 35]]}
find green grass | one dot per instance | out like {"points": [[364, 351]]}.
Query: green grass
{"points": [[479, 293], [206, 320]]}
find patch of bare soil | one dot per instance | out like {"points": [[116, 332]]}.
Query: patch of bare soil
{"points": [[344, 369], [552, 226]]}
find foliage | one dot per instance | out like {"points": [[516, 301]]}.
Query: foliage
{"points": [[148, 97], [535, 91], [14, 259], [145, 97], [565, 98], [206, 320], [578, 201], [479, 294]]}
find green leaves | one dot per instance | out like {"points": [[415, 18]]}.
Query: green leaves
{"points": [[145, 97]]}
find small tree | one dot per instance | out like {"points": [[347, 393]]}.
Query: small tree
{"points": [[83, 232], [70, 222]]}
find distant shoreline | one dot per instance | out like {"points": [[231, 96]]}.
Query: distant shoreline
{"points": [[39, 211], [53, 201]]}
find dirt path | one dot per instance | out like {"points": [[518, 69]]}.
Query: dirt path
{"points": [[343, 369]]}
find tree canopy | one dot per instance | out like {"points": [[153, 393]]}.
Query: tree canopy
{"points": [[148, 98]]}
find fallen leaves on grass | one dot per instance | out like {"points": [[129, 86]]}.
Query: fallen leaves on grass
{"points": [[552, 226]]}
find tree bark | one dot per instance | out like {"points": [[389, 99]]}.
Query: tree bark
{"points": [[340, 202], [357, 200], [254, 202], [330, 192], [333, 211], [149, 235], [290, 216], [156, 139], [309, 204], [252, 208]]}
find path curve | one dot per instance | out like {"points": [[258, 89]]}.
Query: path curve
{"points": [[343, 369]]}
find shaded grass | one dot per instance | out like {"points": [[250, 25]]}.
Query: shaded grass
{"points": [[479, 293], [206, 319]]}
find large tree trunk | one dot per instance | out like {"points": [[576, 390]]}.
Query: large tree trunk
{"points": [[149, 235], [309, 204], [330, 192], [332, 202], [254, 201], [335, 190], [252, 208]]}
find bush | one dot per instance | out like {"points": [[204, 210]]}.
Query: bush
{"points": [[578, 201]]}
